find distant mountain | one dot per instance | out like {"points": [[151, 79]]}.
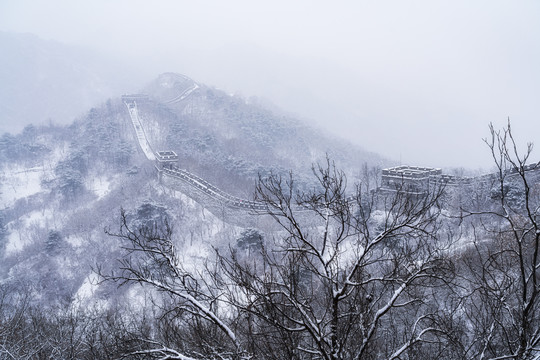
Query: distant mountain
{"points": [[42, 81]]}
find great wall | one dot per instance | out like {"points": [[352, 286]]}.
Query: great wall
{"points": [[233, 209]]}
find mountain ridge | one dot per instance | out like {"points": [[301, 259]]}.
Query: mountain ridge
{"points": [[61, 185]]}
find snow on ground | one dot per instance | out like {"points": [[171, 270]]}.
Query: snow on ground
{"points": [[192, 257], [464, 243], [100, 185], [18, 182], [75, 240], [88, 287], [24, 230], [16, 242], [85, 298]]}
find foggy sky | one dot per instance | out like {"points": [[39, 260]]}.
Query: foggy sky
{"points": [[417, 81]]}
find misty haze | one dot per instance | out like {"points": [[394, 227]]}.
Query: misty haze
{"points": [[269, 180]]}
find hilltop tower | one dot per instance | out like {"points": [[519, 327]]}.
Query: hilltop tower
{"points": [[166, 159], [415, 178]]}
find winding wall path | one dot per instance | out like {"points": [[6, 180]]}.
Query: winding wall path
{"points": [[219, 196], [139, 130], [223, 199]]}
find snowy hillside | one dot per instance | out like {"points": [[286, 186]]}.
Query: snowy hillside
{"points": [[62, 185]]}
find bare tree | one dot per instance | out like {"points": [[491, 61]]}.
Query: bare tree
{"points": [[346, 277], [150, 259], [30, 331], [343, 273], [502, 309]]}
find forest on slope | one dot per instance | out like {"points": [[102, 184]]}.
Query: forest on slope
{"points": [[62, 185], [135, 270]]}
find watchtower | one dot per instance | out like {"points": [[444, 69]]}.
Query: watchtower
{"points": [[414, 178], [166, 159]]}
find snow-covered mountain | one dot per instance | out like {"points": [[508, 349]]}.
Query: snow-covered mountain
{"points": [[62, 185]]}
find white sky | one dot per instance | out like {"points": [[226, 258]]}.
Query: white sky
{"points": [[416, 80]]}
